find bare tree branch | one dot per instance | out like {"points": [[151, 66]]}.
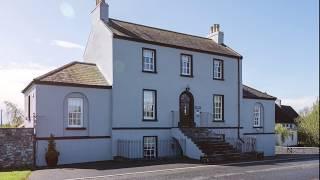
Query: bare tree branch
{"points": [[15, 115]]}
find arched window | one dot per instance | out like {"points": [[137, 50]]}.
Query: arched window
{"points": [[257, 115], [75, 110]]}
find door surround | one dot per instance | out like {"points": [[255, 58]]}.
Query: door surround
{"points": [[186, 109]]}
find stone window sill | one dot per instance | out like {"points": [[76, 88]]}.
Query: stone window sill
{"points": [[76, 128]]}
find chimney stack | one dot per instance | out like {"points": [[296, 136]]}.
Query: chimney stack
{"points": [[98, 1], [215, 34], [101, 12], [278, 101]]}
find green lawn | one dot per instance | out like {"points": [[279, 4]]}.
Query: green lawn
{"points": [[14, 175]]}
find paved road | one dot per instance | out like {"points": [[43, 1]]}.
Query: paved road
{"points": [[293, 169]]}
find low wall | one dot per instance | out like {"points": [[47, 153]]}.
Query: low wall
{"points": [[16, 147], [296, 150]]}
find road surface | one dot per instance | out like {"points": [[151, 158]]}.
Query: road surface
{"points": [[269, 169]]}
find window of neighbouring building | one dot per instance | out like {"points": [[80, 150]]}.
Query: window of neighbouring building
{"points": [[150, 147]]}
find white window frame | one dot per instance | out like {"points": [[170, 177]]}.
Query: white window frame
{"points": [[150, 147], [217, 69], [149, 109], [186, 65], [218, 105], [257, 115], [74, 118], [149, 63]]}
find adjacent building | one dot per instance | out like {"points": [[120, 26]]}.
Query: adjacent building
{"points": [[286, 116]]}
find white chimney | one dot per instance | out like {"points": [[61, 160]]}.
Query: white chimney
{"points": [[101, 12], [278, 101], [216, 34]]}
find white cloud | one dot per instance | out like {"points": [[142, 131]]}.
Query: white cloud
{"points": [[37, 40], [67, 10], [299, 103], [67, 44], [14, 77]]}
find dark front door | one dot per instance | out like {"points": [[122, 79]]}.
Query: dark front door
{"points": [[186, 110]]}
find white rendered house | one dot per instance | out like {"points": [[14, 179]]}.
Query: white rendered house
{"points": [[145, 92], [286, 116]]}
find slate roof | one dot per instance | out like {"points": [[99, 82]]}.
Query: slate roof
{"points": [[73, 74], [251, 93], [142, 33], [285, 114]]}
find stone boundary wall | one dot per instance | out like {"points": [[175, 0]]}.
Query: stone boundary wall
{"points": [[296, 150], [16, 147]]}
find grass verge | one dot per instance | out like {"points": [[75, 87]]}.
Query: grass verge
{"points": [[14, 175]]}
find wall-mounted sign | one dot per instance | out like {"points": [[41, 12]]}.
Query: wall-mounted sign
{"points": [[198, 111]]}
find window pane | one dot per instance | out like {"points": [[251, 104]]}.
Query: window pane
{"points": [[257, 115], [218, 107], [149, 147], [186, 65], [75, 106], [149, 104], [217, 69], [148, 60]]}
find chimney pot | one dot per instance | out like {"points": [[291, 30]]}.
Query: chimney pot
{"points": [[216, 34], [212, 29], [216, 28], [98, 1]]}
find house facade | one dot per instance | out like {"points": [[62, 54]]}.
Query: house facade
{"points": [[144, 92], [286, 116]]}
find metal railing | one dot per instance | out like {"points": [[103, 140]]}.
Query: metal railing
{"points": [[248, 144], [133, 149]]}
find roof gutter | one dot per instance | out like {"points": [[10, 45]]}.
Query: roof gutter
{"points": [[36, 81], [175, 46]]}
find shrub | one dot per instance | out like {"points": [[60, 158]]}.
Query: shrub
{"points": [[308, 126], [284, 132]]}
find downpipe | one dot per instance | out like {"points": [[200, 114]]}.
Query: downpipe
{"points": [[239, 138]]}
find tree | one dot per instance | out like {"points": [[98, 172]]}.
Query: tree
{"points": [[15, 115], [308, 126], [283, 132]]}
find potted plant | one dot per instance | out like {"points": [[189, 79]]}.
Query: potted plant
{"points": [[52, 154]]}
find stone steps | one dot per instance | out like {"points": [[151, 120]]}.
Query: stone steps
{"points": [[218, 158], [213, 146]]}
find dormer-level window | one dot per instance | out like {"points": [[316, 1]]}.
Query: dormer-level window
{"points": [[217, 69], [186, 65], [148, 60]]}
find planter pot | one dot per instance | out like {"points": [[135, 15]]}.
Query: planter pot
{"points": [[260, 155], [52, 160]]}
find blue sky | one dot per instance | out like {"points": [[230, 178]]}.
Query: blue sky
{"points": [[279, 39]]}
